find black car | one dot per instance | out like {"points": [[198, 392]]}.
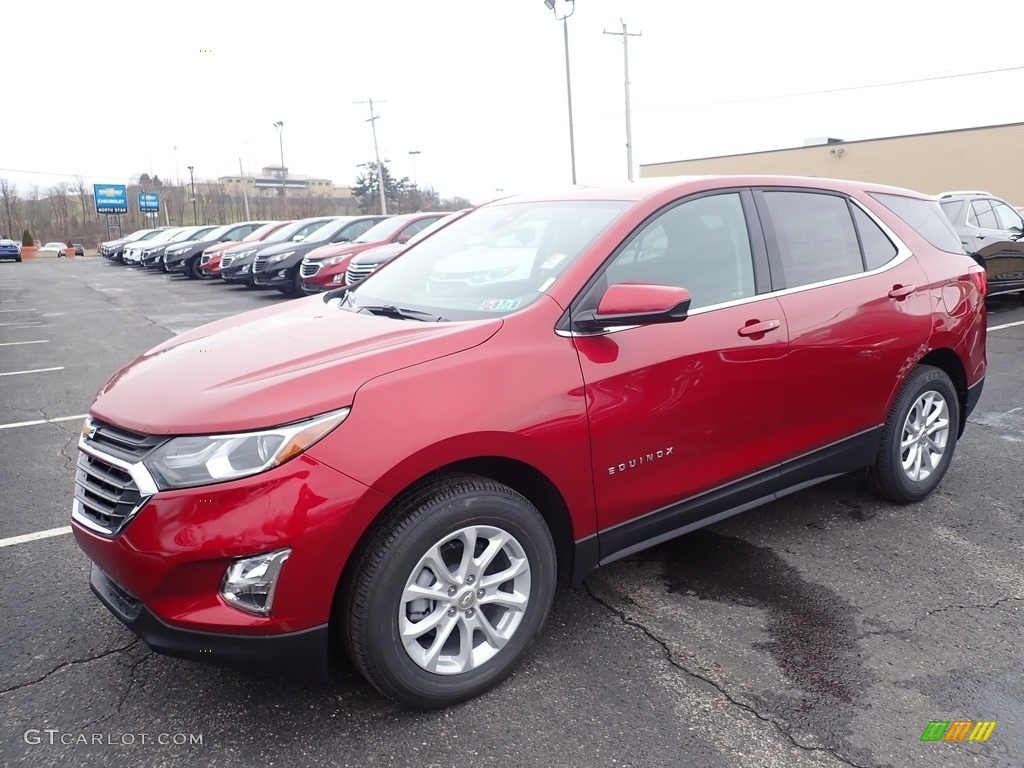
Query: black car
{"points": [[279, 267], [153, 255], [79, 249], [992, 232], [236, 263], [185, 257]]}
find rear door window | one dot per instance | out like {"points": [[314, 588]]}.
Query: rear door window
{"points": [[927, 219]]}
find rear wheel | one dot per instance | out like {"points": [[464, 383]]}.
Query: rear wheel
{"points": [[447, 596], [918, 438]]}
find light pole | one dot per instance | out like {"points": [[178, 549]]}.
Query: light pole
{"points": [[376, 152], [284, 195], [191, 176], [568, 81], [415, 156], [626, 34]]}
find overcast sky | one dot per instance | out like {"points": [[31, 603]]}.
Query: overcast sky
{"points": [[478, 86]]}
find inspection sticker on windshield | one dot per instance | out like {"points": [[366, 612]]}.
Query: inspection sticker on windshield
{"points": [[501, 304], [554, 260]]}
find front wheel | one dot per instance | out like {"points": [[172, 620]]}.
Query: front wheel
{"points": [[194, 270], [447, 596], [918, 438]]}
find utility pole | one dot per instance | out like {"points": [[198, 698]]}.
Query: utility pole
{"points": [[376, 151], [245, 195], [625, 51]]}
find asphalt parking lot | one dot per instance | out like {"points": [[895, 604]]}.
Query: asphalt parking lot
{"points": [[827, 629]]}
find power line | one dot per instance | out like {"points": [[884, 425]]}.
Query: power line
{"points": [[834, 90]]}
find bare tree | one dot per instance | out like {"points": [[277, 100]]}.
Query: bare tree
{"points": [[35, 212], [58, 196], [9, 197], [83, 198]]}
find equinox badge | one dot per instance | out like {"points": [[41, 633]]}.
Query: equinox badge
{"points": [[646, 458]]}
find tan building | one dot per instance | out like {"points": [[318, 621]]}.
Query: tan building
{"points": [[268, 184], [985, 158]]}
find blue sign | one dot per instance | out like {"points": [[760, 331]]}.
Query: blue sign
{"points": [[149, 202], [110, 198]]}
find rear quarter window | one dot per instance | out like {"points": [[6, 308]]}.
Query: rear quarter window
{"points": [[926, 218]]}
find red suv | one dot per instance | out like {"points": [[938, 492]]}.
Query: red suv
{"points": [[547, 384]]}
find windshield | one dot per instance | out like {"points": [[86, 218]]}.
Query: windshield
{"points": [[490, 262], [164, 236], [327, 231], [431, 228], [258, 234], [148, 235], [216, 233], [382, 230]]}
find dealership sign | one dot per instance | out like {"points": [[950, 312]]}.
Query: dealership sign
{"points": [[149, 202], [110, 198]]}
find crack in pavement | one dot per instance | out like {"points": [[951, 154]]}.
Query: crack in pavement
{"points": [[66, 664], [929, 614], [132, 680], [696, 675]]}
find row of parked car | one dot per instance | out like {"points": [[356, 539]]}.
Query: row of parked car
{"points": [[304, 256]]}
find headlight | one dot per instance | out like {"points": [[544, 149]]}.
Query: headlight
{"points": [[243, 254], [185, 462], [336, 259], [280, 257]]}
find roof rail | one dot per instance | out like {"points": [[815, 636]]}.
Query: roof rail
{"points": [[964, 192]]}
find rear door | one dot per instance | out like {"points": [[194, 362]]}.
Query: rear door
{"points": [[857, 305]]}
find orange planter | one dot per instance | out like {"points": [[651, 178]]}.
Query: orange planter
{"points": [[69, 252], [28, 252]]}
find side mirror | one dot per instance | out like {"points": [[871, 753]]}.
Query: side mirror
{"points": [[297, 238], [401, 239], [636, 304]]}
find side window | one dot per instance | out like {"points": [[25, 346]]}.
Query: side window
{"points": [[1006, 216], [925, 218], [982, 215], [815, 236], [701, 245], [878, 248]]}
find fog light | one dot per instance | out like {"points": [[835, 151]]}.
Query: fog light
{"points": [[249, 583], [338, 279], [282, 273]]}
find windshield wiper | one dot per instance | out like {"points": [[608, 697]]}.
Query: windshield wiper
{"points": [[400, 313]]}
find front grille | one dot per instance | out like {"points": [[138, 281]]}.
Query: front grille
{"points": [[308, 269], [357, 272], [106, 495], [225, 261], [122, 444], [258, 266]]}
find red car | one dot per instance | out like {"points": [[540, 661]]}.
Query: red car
{"points": [[324, 268], [209, 262], [547, 384]]}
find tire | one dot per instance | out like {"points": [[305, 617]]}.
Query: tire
{"points": [[193, 270], [441, 517], [926, 400]]}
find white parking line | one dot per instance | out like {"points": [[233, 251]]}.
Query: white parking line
{"points": [[30, 309], [21, 325], [34, 370], [16, 343], [42, 421], [34, 536], [1005, 325]]}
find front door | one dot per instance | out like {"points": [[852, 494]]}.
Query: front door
{"points": [[684, 416]]}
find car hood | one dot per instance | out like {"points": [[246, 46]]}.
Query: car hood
{"points": [[300, 247], [222, 247], [272, 366], [379, 253]]}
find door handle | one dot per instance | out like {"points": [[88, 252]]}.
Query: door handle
{"points": [[755, 327], [900, 292]]}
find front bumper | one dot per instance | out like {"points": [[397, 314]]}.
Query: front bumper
{"points": [[161, 574], [273, 276], [302, 654]]}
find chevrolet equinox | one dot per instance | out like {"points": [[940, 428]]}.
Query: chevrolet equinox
{"points": [[404, 469]]}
